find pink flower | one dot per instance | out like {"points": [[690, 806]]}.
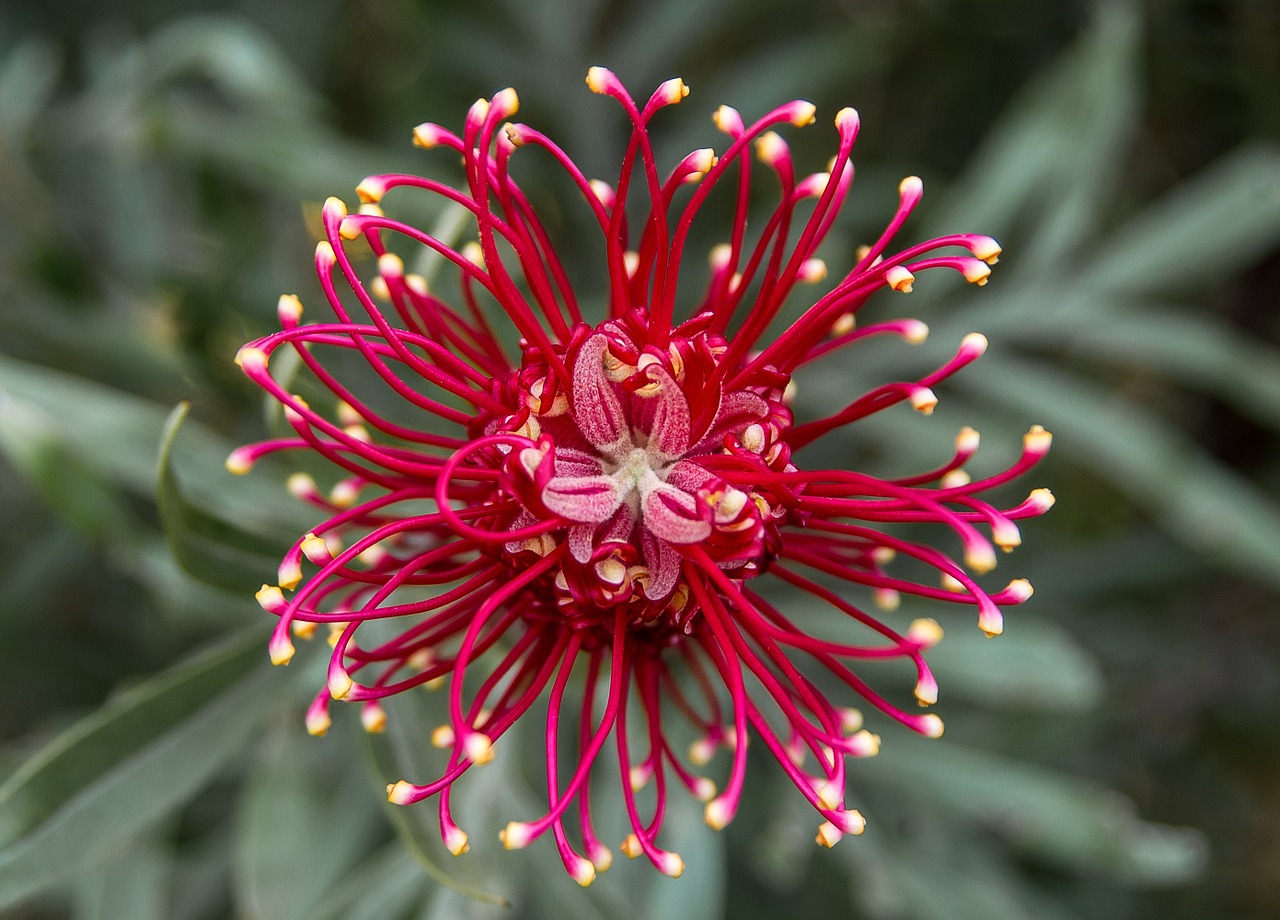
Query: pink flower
{"points": [[602, 508]]}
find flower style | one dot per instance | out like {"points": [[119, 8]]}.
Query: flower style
{"points": [[602, 511]]}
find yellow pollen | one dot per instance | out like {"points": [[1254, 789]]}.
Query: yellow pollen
{"points": [[717, 814], [281, 650], [980, 557], [515, 836], [726, 118], [400, 792], [478, 748], [584, 872], [899, 278], [455, 840], [828, 835], [976, 272], [374, 718], [844, 324], [318, 723], [770, 148], [251, 359], [335, 206], [372, 189], [1037, 440], [673, 90], [507, 101], [975, 343], [931, 726], [923, 400], [886, 599], [803, 114], [865, 743], [289, 307], [270, 597], [598, 79], [340, 684], [924, 632]]}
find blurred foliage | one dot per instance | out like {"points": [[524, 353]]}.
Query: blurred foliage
{"points": [[160, 169]]}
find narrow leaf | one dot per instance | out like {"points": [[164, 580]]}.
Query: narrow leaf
{"points": [[144, 754], [211, 549]]}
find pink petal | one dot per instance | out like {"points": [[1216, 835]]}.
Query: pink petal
{"points": [[596, 406], [674, 516], [582, 542], [664, 567], [688, 477], [619, 529], [576, 463], [669, 429], [739, 409], [588, 499]]}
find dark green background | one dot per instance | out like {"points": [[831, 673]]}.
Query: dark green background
{"points": [[161, 166]]}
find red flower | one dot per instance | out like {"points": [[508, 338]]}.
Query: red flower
{"points": [[603, 508]]}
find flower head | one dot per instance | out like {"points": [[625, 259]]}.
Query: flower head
{"points": [[576, 509]]}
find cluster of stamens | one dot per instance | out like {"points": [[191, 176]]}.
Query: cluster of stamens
{"points": [[589, 524]]}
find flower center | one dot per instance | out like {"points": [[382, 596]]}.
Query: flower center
{"points": [[634, 474], [645, 454]]}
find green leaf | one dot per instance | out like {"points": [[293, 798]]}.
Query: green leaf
{"points": [[384, 887], [136, 885], [887, 865], [35, 443], [1048, 814], [28, 77], [1210, 227], [1197, 500], [1034, 665], [306, 816], [139, 757], [409, 823], [210, 548], [113, 434], [1051, 158], [1194, 351]]}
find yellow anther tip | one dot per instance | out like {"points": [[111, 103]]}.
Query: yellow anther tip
{"points": [[803, 114], [671, 865], [455, 841], [238, 463], [281, 651], [251, 359], [335, 207], [318, 726], [584, 873], [289, 307], [371, 189], [598, 79], [374, 719], [899, 278], [516, 836], [340, 684], [925, 632], [911, 187], [1037, 440], [828, 835], [717, 814]]}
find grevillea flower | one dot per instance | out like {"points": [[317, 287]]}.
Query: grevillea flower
{"points": [[574, 509]]}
